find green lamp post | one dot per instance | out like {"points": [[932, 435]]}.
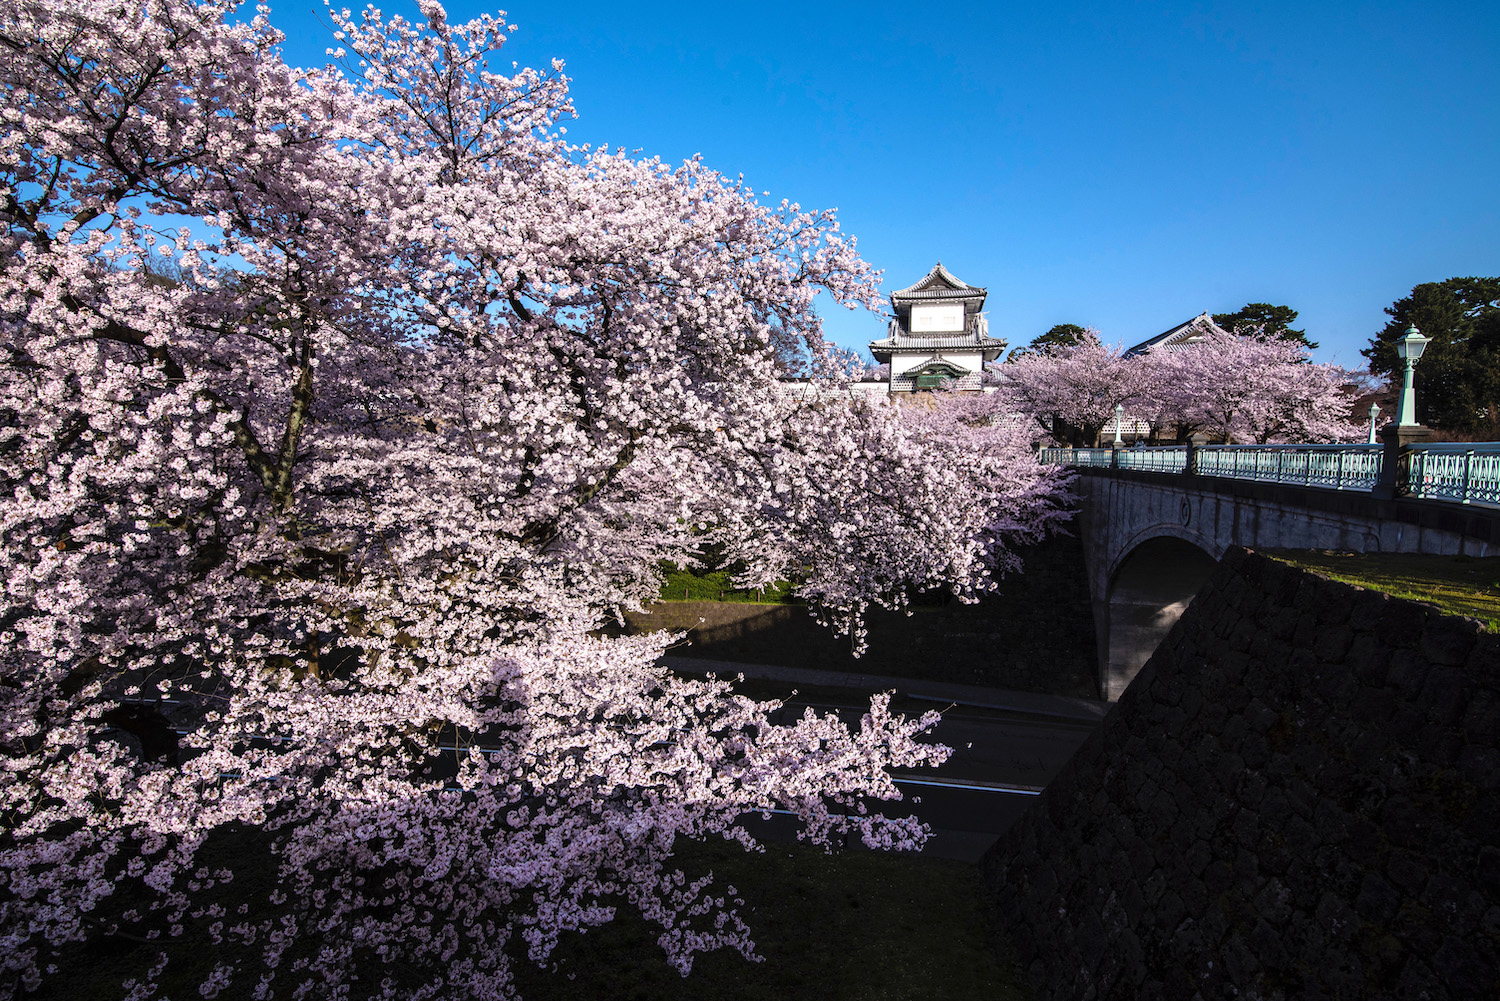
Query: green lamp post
{"points": [[1409, 349], [1401, 435]]}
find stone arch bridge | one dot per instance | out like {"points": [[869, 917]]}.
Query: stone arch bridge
{"points": [[1152, 537]]}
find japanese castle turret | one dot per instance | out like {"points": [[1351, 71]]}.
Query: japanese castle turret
{"points": [[938, 336]]}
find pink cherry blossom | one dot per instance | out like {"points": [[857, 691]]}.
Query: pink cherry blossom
{"points": [[1246, 388], [342, 408], [1071, 392], [1229, 387]]}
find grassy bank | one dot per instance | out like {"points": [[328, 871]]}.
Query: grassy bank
{"points": [[1459, 585], [680, 584]]}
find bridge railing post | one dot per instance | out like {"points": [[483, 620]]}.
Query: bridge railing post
{"points": [[1195, 444], [1395, 459]]}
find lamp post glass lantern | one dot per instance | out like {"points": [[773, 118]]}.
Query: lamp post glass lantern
{"points": [[1409, 349]]}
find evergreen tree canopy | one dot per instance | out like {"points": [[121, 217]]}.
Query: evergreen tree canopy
{"points": [[1061, 335], [1267, 320], [1458, 378]]}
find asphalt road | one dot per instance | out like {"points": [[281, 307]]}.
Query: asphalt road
{"points": [[1000, 762]]}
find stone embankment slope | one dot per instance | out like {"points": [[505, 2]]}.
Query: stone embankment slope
{"points": [[1298, 797]]}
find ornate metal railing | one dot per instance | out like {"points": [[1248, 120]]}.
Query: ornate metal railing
{"points": [[1159, 460], [1462, 473], [1338, 467], [1467, 473], [1078, 456]]}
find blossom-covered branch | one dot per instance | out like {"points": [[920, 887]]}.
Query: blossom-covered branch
{"points": [[313, 505]]}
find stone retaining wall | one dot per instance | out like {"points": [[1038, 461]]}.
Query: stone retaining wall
{"points": [[1298, 797]]}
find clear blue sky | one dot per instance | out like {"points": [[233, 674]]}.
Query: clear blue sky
{"points": [[1119, 165]]}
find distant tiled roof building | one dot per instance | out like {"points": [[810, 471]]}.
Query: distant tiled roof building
{"points": [[938, 335], [1180, 336]]}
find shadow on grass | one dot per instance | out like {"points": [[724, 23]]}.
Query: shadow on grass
{"points": [[850, 926], [853, 926]]}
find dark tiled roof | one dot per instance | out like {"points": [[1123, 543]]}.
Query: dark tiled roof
{"points": [[941, 293], [916, 342], [949, 287], [937, 363]]}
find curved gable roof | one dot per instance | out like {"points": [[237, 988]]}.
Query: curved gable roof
{"points": [[1180, 336], [939, 283]]}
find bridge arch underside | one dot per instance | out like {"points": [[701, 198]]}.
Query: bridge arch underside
{"points": [[1148, 592]]}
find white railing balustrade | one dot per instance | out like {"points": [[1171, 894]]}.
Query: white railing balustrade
{"points": [[1077, 456], [1345, 467]]}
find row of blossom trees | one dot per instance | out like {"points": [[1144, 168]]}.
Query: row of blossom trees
{"points": [[1232, 388], [339, 409]]}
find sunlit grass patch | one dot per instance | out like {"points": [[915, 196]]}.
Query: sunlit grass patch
{"points": [[682, 584], [1459, 585]]}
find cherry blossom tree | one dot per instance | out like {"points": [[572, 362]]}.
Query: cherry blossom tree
{"points": [[1251, 388], [340, 409], [1156, 403], [1231, 387], [976, 471], [1071, 390]]}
